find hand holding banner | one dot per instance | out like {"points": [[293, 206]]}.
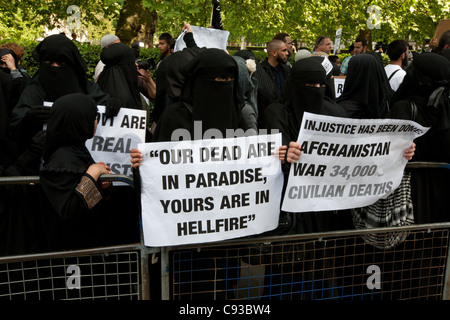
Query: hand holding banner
{"points": [[116, 136], [347, 163]]}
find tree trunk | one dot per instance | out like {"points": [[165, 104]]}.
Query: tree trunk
{"points": [[136, 23]]}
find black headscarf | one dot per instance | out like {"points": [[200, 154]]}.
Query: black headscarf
{"points": [[71, 123], [69, 78], [366, 85], [119, 77], [217, 104], [427, 83]]}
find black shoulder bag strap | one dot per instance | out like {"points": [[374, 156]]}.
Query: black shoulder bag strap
{"points": [[392, 74], [413, 110]]}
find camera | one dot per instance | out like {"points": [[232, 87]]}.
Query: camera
{"points": [[148, 64]]}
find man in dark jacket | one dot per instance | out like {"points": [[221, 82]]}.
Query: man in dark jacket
{"points": [[272, 74]]}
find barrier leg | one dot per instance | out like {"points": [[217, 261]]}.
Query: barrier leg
{"points": [[446, 289], [165, 292]]}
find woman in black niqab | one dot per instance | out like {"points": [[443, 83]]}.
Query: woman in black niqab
{"points": [[366, 91], [304, 91], [71, 203], [62, 71], [119, 77]]}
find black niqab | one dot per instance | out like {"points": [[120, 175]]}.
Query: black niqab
{"points": [[69, 78], [216, 103]]}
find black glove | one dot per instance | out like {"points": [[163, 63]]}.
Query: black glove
{"points": [[38, 114], [112, 107]]}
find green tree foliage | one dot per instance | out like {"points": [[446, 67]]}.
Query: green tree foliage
{"points": [[26, 19], [255, 20], [258, 20]]}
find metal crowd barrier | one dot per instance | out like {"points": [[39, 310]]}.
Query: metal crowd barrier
{"points": [[322, 266], [336, 265]]}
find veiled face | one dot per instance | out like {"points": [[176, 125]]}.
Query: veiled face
{"points": [[55, 63], [224, 78]]}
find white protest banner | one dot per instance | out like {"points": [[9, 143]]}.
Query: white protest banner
{"points": [[339, 85], [347, 163], [205, 37], [116, 136], [209, 190], [46, 104], [337, 41]]}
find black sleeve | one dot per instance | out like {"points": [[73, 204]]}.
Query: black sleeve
{"points": [[189, 40]]}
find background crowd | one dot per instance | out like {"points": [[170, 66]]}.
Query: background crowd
{"points": [[71, 209]]}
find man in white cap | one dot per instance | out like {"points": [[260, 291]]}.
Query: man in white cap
{"points": [[105, 42]]}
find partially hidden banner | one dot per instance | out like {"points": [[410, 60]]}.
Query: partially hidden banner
{"points": [[347, 163], [339, 85], [209, 190], [116, 136], [205, 37]]}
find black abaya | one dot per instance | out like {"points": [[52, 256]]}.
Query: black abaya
{"points": [[20, 227], [69, 221], [301, 95], [429, 73]]}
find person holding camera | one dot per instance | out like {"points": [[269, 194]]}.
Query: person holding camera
{"points": [[147, 85]]}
